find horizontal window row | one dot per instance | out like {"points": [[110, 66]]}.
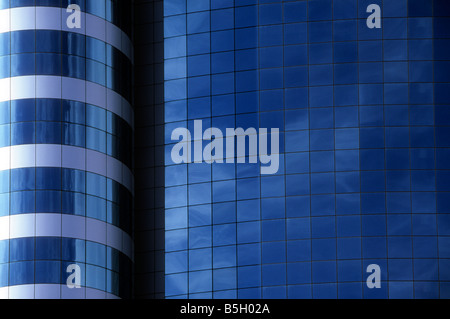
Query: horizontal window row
{"points": [[66, 43], [348, 208], [328, 273], [328, 140], [313, 75], [326, 204], [66, 134], [417, 159], [318, 183], [400, 250], [345, 290], [373, 241], [304, 138], [315, 31], [83, 125], [56, 110], [277, 13], [314, 130], [64, 249], [300, 10], [247, 109], [275, 210], [272, 81], [297, 48], [55, 272], [56, 202], [342, 29], [55, 178], [67, 66], [114, 11], [56, 190], [296, 55]]}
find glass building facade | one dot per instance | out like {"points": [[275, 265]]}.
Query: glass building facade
{"points": [[66, 148], [364, 119], [364, 124]]}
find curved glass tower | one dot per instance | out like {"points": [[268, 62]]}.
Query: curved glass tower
{"points": [[66, 138], [363, 188]]}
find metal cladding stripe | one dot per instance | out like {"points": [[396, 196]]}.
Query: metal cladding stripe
{"points": [[66, 88], [51, 18], [55, 155], [67, 226], [52, 291]]}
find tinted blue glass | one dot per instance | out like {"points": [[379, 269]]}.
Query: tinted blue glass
{"points": [[48, 110], [48, 272], [5, 43], [4, 251], [74, 67], [29, 121], [73, 180], [73, 134], [48, 41], [22, 41], [95, 254], [48, 248], [5, 135], [47, 63], [48, 133], [23, 133], [5, 63], [73, 203], [73, 250], [74, 112], [96, 139], [21, 273], [23, 179], [22, 110], [73, 43], [96, 208], [361, 123], [98, 8], [96, 117], [22, 249], [48, 202], [48, 178]]}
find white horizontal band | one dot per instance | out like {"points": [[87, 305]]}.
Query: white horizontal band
{"points": [[52, 291], [51, 18], [67, 226], [66, 88], [64, 156]]}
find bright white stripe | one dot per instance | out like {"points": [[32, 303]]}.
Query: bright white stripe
{"points": [[96, 162], [5, 20], [47, 291], [21, 292], [22, 87], [68, 226], [44, 86], [96, 231], [42, 18], [23, 18], [50, 18], [57, 87], [21, 226], [24, 156], [52, 291], [54, 155]]}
